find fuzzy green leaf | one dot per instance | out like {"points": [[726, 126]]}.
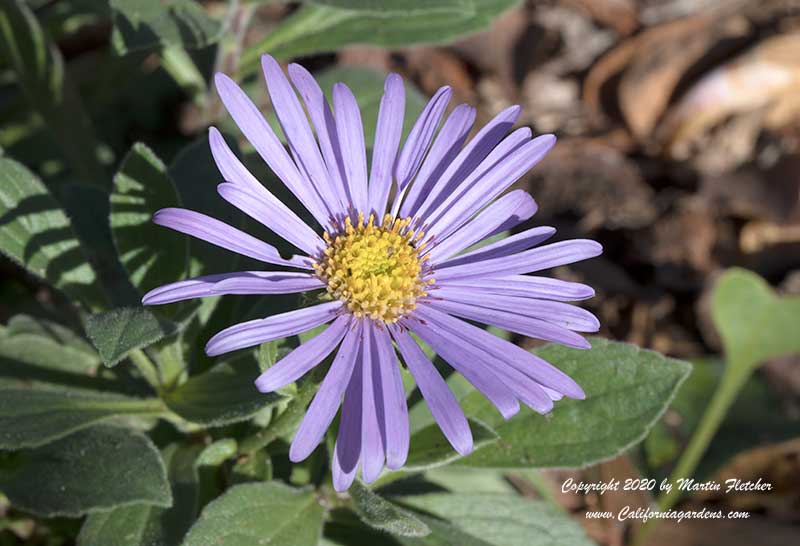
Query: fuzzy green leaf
{"points": [[429, 448], [381, 514], [259, 513], [30, 418], [146, 525], [94, 469], [223, 395], [502, 520], [118, 332], [316, 29], [146, 24], [627, 389]]}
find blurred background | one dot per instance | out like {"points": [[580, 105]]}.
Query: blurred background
{"points": [[679, 150]]}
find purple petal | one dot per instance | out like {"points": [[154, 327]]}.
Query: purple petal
{"points": [[221, 234], [420, 137], [298, 133], [443, 405], [467, 160], [505, 247], [372, 450], [388, 131], [242, 282], [510, 210], [260, 134], [261, 208], [264, 282], [531, 365], [323, 408], [347, 451], [488, 184], [526, 326], [254, 332], [305, 357], [522, 385], [248, 195], [445, 148], [543, 288], [322, 117], [395, 411], [469, 363], [350, 130], [563, 314], [529, 261]]}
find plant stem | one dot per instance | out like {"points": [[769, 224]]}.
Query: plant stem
{"points": [[733, 379], [146, 368], [287, 421], [177, 63], [731, 383]]}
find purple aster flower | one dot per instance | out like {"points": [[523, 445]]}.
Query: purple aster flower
{"points": [[390, 262]]}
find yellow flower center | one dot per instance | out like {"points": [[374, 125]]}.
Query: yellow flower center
{"points": [[375, 269]]}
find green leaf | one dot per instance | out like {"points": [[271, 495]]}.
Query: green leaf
{"points": [[146, 24], [316, 29], [259, 513], [753, 322], [754, 325], [223, 395], [30, 418], [145, 525], [53, 331], [94, 469], [429, 448], [399, 6], [502, 520], [37, 234], [118, 332], [627, 389], [344, 528], [39, 68], [379, 513], [151, 254]]}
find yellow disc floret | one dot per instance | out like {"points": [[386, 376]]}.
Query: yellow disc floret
{"points": [[375, 269]]}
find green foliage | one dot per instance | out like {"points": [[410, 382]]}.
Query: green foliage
{"points": [[146, 24], [141, 187], [118, 332], [400, 6], [753, 322], [250, 513], [31, 418], [94, 469], [223, 395], [40, 72], [319, 28], [144, 524], [429, 448], [502, 520], [381, 514], [627, 390], [756, 418], [36, 233]]}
